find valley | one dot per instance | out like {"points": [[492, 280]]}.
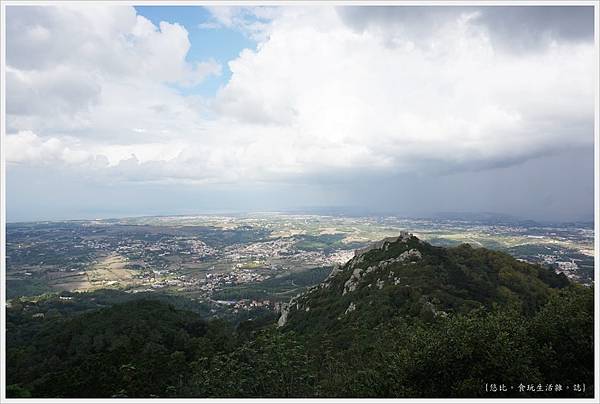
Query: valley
{"points": [[240, 262]]}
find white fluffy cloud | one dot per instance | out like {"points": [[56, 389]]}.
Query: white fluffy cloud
{"points": [[454, 99], [316, 96], [110, 41], [95, 71], [26, 146]]}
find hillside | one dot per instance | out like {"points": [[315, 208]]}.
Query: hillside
{"points": [[402, 318], [407, 277]]}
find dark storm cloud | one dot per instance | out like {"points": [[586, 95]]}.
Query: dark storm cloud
{"points": [[559, 187], [450, 122], [566, 22], [516, 27], [555, 187]]}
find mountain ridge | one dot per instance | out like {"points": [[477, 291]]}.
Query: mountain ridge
{"points": [[433, 281], [402, 318]]}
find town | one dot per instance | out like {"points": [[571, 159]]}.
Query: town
{"points": [[248, 261]]}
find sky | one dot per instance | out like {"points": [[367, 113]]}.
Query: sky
{"points": [[408, 110]]}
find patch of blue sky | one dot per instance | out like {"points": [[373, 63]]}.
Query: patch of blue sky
{"points": [[208, 41]]}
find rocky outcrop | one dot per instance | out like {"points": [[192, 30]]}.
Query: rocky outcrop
{"points": [[285, 311], [286, 307], [336, 270], [382, 244], [350, 309], [411, 255], [352, 282], [358, 273]]}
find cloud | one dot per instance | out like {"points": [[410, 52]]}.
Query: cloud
{"points": [[344, 97], [254, 22], [111, 41], [66, 64], [61, 90], [326, 93], [529, 27], [516, 28], [26, 146]]}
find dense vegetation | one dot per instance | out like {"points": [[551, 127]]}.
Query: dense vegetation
{"points": [[444, 281], [459, 318], [280, 287]]}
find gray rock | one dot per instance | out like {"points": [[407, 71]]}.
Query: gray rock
{"points": [[351, 308], [383, 244], [285, 311], [352, 282]]}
